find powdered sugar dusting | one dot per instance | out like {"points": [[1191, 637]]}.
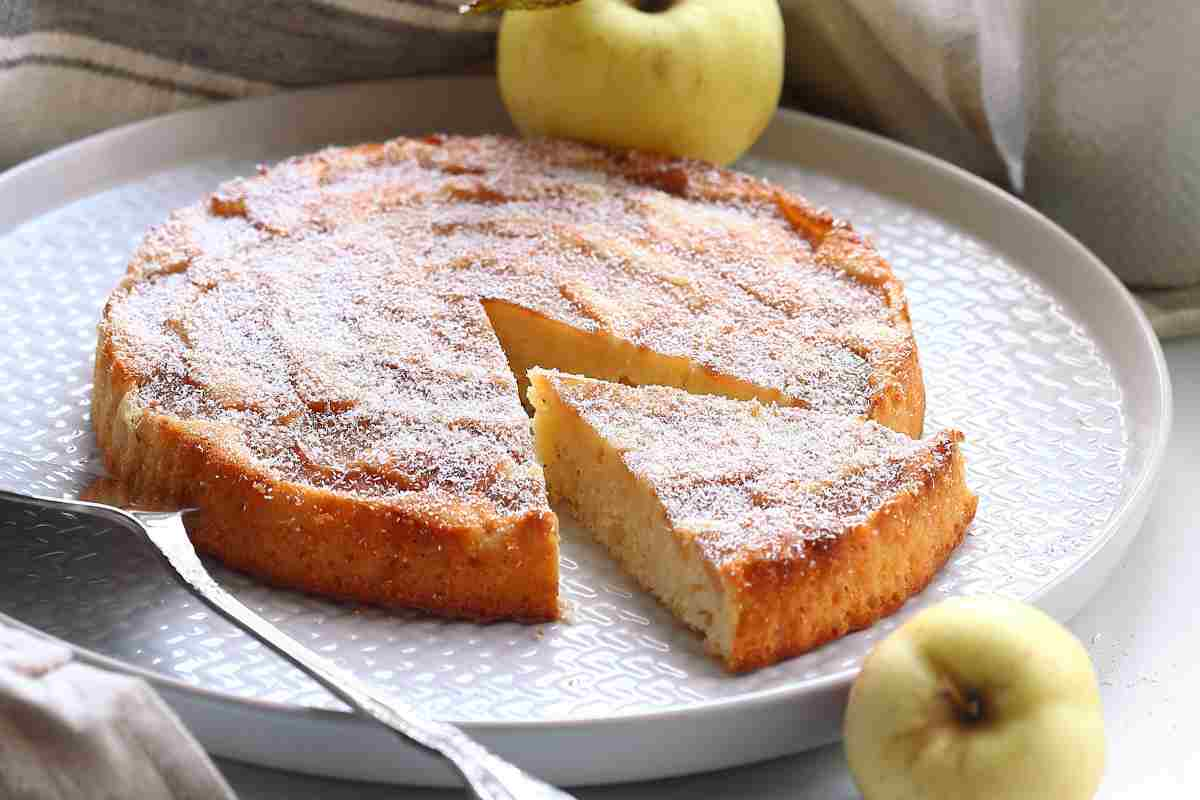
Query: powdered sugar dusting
{"points": [[330, 308], [751, 479]]}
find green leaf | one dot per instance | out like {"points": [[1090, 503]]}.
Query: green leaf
{"points": [[483, 6]]}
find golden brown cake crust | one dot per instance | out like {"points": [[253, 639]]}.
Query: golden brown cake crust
{"points": [[306, 355], [459, 562], [851, 581]]}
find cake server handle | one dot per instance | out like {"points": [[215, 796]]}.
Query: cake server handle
{"points": [[488, 776]]}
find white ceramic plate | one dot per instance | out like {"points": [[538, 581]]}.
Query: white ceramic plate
{"points": [[1028, 344]]}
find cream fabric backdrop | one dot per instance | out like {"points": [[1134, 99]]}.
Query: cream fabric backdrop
{"points": [[1088, 108]]}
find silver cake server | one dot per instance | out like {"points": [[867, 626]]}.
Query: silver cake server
{"points": [[486, 775]]}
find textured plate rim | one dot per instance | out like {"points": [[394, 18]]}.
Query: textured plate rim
{"points": [[42, 170]]}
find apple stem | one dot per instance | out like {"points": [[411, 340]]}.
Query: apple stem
{"points": [[968, 704], [653, 6], [971, 709]]}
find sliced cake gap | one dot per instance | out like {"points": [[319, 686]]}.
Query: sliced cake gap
{"points": [[530, 339]]}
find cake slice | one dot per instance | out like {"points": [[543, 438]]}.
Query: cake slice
{"points": [[768, 529]]}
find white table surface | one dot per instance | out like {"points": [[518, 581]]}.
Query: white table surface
{"points": [[1139, 630]]}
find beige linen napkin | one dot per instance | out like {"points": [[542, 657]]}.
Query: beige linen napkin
{"points": [[69, 731]]}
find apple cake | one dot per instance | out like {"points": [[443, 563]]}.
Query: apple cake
{"points": [[769, 529], [328, 357]]}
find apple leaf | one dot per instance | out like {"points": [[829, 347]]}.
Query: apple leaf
{"points": [[483, 6]]}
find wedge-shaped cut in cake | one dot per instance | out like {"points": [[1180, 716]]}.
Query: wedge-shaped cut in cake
{"points": [[771, 530]]}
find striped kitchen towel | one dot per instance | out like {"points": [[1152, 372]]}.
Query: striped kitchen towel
{"points": [[72, 67]]}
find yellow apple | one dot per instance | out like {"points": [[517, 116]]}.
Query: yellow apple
{"points": [[976, 698], [698, 78]]}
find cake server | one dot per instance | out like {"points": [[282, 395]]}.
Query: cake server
{"points": [[486, 775]]}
